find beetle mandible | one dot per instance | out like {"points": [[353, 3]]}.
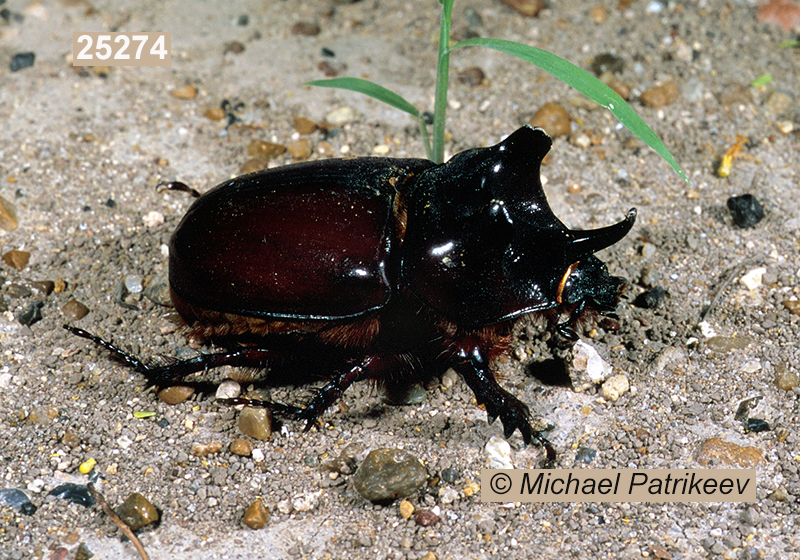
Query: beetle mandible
{"points": [[379, 268]]}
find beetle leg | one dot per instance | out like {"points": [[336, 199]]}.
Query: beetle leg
{"points": [[332, 391], [565, 329], [473, 368], [175, 372]]}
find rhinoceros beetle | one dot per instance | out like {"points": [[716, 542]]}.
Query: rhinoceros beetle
{"points": [[380, 267]]}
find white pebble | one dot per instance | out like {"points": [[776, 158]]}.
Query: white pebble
{"points": [[588, 367], [258, 455], [615, 387], [341, 116], [499, 452], [285, 507], [753, 278], [448, 495], [36, 485], [307, 501], [153, 219], [229, 389]]}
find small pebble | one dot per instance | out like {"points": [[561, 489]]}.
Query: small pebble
{"points": [[264, 149], [133, 283], [585, 455], [719, 453], [43, 415], [256, 515], [660, 96], [83, 552], [175, 394], [529, 8], [206, 449], [258, 455], [254, 164], [778, 103], [137, 511], [448, 495], [388, 474], [498, 451], [304, 125], [735, 93], [22, 60], [300, 149], [234, 47], [8, 215], [651, 299], [425, 518], [305, 29], [755, 425], [607, 62], [450, 475], [153, 219], [187, 91], [75, 493], [256, 422], [17, 259], [778, 495], [754, 278], [746, 210], [87, 466], [553, 118], [156, 289], [241, 447], [727, 343], [31, 314], [471, 76], [228, 389], [615, 386], [587, 368], [406, 509], [215, 114], [307, 501], [341, 116], [12, 497], [786, 380]]}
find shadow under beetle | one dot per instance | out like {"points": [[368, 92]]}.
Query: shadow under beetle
{"points": [[380, 268]]}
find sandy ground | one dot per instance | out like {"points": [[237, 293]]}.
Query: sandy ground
{"points": [[72, 142]]}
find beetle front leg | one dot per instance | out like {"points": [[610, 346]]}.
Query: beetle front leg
{"points": [[473, 368]]}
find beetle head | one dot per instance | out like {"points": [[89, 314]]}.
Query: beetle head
{"points": [[482, 244]]}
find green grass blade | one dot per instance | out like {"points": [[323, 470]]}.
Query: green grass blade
{"points": [[585, 83], [371, 89]]}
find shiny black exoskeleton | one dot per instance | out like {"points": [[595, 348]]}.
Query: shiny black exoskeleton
{"points": [[379, 268]]}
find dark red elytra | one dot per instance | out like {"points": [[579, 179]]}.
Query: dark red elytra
{"points": [[381, 268]]}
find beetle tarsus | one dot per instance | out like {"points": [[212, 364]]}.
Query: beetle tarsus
{"points": [[513, 413], [332, 391]]}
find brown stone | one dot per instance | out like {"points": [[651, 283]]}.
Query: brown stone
{"points": [[264, 149], [74, 310], [17, 259], [256, 515], [553, 118], [304, 125], [136, 511], [305, 29], [526, 7], [215, 114], [205, 449], [187, 91], [241, 447], [175, 394], [717, 452], [660, 96], [8, 215], [300, 149], [256, 422]]}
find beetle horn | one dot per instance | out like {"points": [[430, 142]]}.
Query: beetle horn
{"points": [[588, 242]]}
